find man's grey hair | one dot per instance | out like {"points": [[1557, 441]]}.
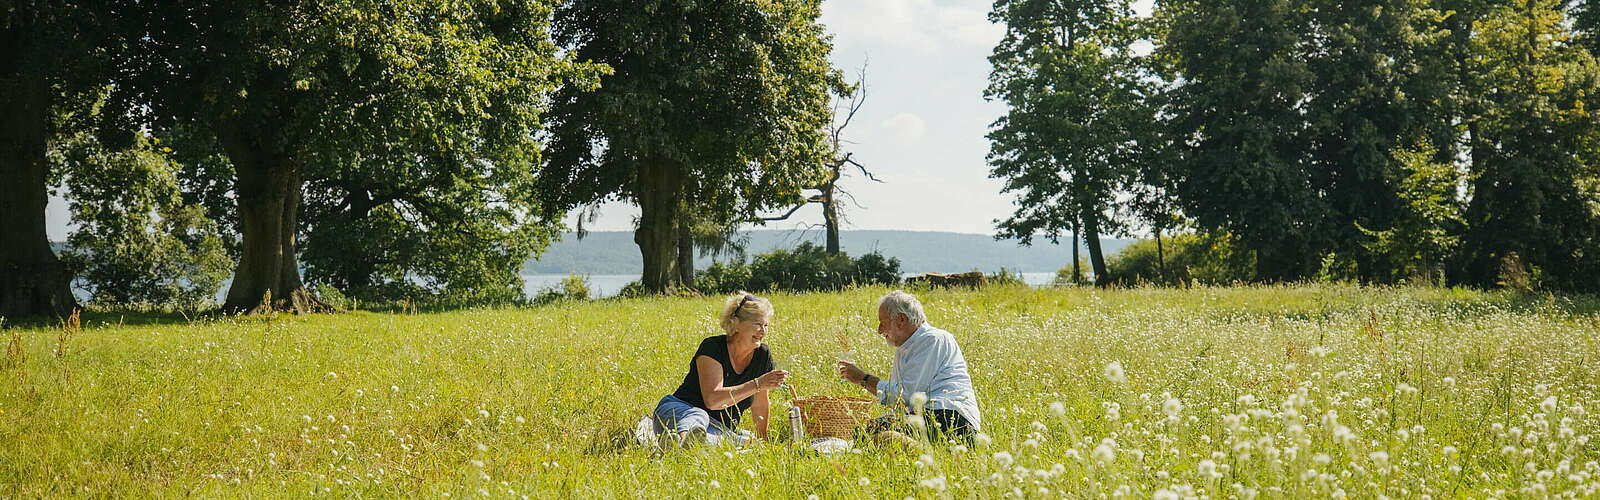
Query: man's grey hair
{"points": [[900, 302]]}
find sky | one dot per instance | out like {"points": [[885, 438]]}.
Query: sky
{"points": [[921, 130]]}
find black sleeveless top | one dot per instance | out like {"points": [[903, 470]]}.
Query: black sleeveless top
{"points": [[716, 348]]}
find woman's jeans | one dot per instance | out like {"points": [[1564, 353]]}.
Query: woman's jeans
{"points": [[675, 415]]}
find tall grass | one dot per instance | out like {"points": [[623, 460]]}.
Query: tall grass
{"points": [[1230, 392]]}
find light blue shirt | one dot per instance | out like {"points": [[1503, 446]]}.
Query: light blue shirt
{"points": [[930, 362]]}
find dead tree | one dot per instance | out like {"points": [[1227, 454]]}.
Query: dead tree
{"points": [[829, 193]]}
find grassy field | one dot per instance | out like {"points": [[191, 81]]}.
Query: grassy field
{"points": [[1315, 391]]}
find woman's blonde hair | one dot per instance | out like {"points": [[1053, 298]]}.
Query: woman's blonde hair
{"points": [[743, 306]]}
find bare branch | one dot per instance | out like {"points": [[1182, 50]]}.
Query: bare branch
{"points": [[786, 215], [862, 168], [858, 97]]}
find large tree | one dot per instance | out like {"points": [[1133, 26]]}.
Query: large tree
{"points": [[1078, 105], [1379, 79], [1536, 150], [288, 88], [717, 109], [53, 57], [1236, 115]]}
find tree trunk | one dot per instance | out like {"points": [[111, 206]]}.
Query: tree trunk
{"points": [[1077, 268], [657, 235], [268, 186], [356, 276], [1097, 260], [33, 283], [685, 264], [830, 218], [1161, 258]]}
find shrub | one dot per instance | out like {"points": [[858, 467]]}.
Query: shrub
{"points": [[875, 269], [1064, 275], [1006, 278], [807, 267], [573, 287], [723, 278], [333, 297], [1190, 258]]}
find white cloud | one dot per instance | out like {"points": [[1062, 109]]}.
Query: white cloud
{"points": [[905, 127], [926, 25]]}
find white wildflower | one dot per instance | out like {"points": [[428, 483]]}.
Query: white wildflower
{"points": [[1003, 458], [1114, 372], [1379, 458], [1171, 407], [919, 399], [1106, 452]]}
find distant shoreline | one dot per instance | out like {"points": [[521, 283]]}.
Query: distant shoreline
{"points": [[614, 252]]}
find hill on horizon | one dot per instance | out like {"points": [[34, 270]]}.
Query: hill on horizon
{"points": [[614, 252]]}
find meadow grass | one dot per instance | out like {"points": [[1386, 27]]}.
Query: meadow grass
{"points": [[1273, 392]]}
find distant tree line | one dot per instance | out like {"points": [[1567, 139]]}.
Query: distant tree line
{"points": [[1454, 141], [389, 149]]}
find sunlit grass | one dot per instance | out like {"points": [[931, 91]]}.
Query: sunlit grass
{"points": [[1230, 392]]}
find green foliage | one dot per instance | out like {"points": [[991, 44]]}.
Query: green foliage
{"points": [[713, 111], [1004, 278], [572, 287], [1064, 276], [336, 298], [1191, 259], [1077, 117], [875, 269], [1536, 148], [1586, 22], [136, 240], [723, 278], [1240, 79], [412, 122], [1379, 79], [1427, 230], [807, 267]]}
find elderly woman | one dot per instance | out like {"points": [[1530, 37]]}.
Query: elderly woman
{"points": [[728, 374]]}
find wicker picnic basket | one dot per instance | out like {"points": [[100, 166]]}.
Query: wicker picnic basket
{"points": [[833, 416]]}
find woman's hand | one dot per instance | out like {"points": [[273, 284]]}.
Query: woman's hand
{"points": [[772, 380]]}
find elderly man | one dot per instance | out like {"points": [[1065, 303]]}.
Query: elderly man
{"points": [[927, 364]]}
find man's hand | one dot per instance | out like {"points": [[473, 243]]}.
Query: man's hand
{"points": [[850, 373]]}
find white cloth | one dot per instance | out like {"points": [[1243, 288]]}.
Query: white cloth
{"points": [[930, 362]]}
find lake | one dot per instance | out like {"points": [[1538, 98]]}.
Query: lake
{"points": [[608, 285]]}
